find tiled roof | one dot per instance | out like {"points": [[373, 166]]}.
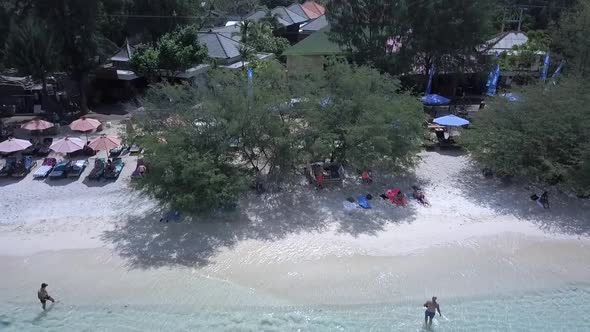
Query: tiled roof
{"points": [[288, 15], [298, 9], [314, 9], [219, 46], [317, 24]]}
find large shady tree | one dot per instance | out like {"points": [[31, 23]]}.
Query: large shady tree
{"points": [[544, 137]]}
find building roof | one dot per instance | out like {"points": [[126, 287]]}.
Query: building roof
{"points": [[285, 17], [288, 15], [298, 9], [125, 53], [219, 46], [229, 31], [314, 9], [504, 42], [316, 24], [317, 43]]}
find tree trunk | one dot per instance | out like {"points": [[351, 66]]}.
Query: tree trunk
{"points": [[44, 93], [83, 98]]}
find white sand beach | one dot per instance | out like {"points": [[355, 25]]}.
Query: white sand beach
{"points": [[102, 244]]}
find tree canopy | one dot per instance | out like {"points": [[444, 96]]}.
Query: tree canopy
{"points": [[175, 52], [571, 38], [237, 131], [544, 137], [396, 36]]}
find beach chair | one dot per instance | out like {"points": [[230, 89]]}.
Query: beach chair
{"points": [[115, 171], [23, 167], [46, 168], [60, 170], [8, 167], [76, 168], [98, 169]]}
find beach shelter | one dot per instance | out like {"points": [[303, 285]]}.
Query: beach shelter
{"points": [[104, 143], [67, 145], [13, 145], [451, 121], [85, 125], [37, 124], [435, 100]]}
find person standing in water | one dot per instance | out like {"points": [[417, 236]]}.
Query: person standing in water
{"points": [[44, 296], [431, 308]]}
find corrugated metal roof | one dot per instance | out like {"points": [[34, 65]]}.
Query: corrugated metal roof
{"points": [[317, 24]]}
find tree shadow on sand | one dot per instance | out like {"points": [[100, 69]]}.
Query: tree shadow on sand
{"points": [[567, 215], [145, 242]]}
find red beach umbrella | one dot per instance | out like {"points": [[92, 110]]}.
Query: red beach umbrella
{"points": [[85, 124], [105, 143]]}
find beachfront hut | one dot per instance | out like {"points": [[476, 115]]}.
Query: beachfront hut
{"points": [[311, 52]]}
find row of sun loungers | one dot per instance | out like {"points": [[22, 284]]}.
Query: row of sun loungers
{"points": [[18, 167]]}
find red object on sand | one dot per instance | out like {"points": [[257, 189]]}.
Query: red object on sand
{"points": [[320, 179], [392, 195]]}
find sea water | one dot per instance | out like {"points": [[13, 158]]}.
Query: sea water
{"points": [[563, 309]]}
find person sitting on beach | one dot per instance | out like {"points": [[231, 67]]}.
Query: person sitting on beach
{"points": [[366, 177], [141, 169], [418, 195], [431, 308], [543, 201], [400, 199], [44, 296]]}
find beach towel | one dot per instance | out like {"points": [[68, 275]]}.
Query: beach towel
{"points": [[363, 201], [349, 206]]}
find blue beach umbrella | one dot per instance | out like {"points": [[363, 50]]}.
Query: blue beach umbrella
{"points": [[435, 100], [430, 77], [545, 67], [493, 78], [451, 121]]}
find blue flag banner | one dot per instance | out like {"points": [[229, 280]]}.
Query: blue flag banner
{"points": [[493, 78], [250, 74], [545, 67], [558, 70], [430, 76]]}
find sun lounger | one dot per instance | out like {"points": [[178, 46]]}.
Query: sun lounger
{"points": [[98, 169], [116, 152], [60, 170], [8, 167], [363, 201], [24, 166], [76, 168], [115, 170], [45, 168], [135, 149]]}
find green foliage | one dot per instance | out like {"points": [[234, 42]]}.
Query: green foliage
{"points": [[366, 122], [259, 37], [438, 32], [544, 137], [175, 52], [32, 49], [524, 56], [205, 144], [571, 38]]}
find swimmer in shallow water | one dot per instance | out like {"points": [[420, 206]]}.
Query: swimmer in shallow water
{"points": [[431, 308]]}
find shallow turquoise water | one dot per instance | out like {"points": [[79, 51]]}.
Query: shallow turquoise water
{"points": [[558, 310]]}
